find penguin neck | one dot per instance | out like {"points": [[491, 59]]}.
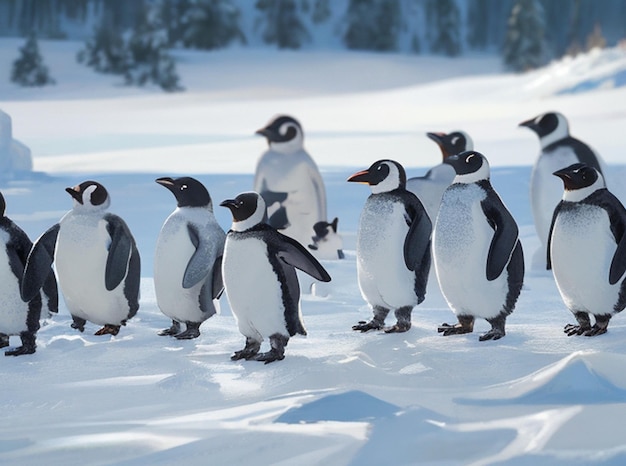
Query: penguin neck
{"points": [[242, 225], [561, 132], [577, 195], [288, 147]]}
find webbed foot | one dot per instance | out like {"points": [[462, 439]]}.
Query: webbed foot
{"points": [[193, 331], [108, 329], [277, 351], [465, 325], [584, 324], [248, 352], [78, 324], [364, 326], [19, 351], [170, 332]]}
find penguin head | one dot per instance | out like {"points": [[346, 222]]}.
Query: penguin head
{"points": [[248, 210], [452, 143], [89, 195], [579, 180], [470, 166], [188, 191], [382, 176], [3, 205], [327, 244], [284, 134], [549, 127]]}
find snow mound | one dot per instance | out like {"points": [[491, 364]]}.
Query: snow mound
{"points": [[581, 377], [351, 406]]}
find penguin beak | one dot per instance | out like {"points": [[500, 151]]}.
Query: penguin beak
{"points": [[452, 160], [230, 204], [360, 177], [166, 182], [529, 124], [566, 176], [267, 133], [437, 137], [75, 193]]}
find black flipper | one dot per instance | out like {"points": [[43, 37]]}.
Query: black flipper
{"points": [[293, 253], [218, 281], [557, 209], [199, 265], [119, 251], [505, 234], [417, 241], [38, 263]]}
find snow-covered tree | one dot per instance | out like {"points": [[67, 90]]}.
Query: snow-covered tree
{"points": [[210, 24], [373, 24], [445, 23], [525, 46], [321, 11], [105, 51], [281, 24], [29, 69]]}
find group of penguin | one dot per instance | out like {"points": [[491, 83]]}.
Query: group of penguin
{"points": [[450, 217]]}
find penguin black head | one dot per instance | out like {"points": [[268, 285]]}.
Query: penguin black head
{"points": [[452, 143], [470, 166], [580, 176], [323, 228], [283, 133], [247, 209], [549, 127], [382, 176], [89, 195], [3, 205], [188, 191]]}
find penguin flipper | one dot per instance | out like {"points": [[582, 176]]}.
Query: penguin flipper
{"points": [[557, 209], [293, 253], [504, 238], [218, 280], [119, 251], [199, 265], [417, 240], [38, 264]]}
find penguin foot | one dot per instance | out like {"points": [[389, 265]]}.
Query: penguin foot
{"points": [[572, 329], [19, 351], [188, 334], [170, 332], [78, 324], [4, 341], [596, 330], [108, 329], [399, 327], [456, 329], [248, 352], [364, 326], [271, 356], [493, 334]]}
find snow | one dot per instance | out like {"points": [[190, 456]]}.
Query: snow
{"points": [[339, 397]]}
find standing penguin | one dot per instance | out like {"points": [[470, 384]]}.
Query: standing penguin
{"points": [[430, 187], [558, 150], [96, 258], [587, 249], [327, 243], [259, 270], [478, 255], [188, 259], [392, 247], [289, 180], [16, 316]]}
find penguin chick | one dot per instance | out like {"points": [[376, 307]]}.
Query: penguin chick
{"points": [[478, 256], [259, 271], [327, 243], [587, 249], [96, 259], [393, 247], [188, 259]]}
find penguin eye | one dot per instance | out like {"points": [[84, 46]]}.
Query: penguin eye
{"points": [[467, 160], [183, 187], [283, 129], [455, 140]]}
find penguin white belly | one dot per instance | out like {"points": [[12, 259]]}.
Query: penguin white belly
{"points": [[80, 258], [546, 189], [582, 248], [384, 279], [253, 289], [461, 241], [14, 311], [173, 251]]}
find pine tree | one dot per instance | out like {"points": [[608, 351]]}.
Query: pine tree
{"points": [[105, 51], [282, 25], [525, 46], [372, 25], [210, 24], [445, 18], [321, 11], [29, 69]]}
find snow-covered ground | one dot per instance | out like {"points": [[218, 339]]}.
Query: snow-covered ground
{"points": [[338, 398]]}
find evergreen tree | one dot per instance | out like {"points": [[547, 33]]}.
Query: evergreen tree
{"points": [[105, 51], [445, 20], [525, 46], [210, 24], [372, 25], [321, 11], [282, 25], [28, 69]]}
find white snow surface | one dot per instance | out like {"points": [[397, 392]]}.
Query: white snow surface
{"points": [[339, 397]]}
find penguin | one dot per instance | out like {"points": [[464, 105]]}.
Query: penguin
{"points": [[96, 259], [16, 316], [393, 247], [289, 180], [430, 187], [587, 249], [558, 150], [477, 252], [188, 259], [259, 272], [327, 243]]}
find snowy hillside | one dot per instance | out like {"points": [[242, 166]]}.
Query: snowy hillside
{"points": [[338, 398]]}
